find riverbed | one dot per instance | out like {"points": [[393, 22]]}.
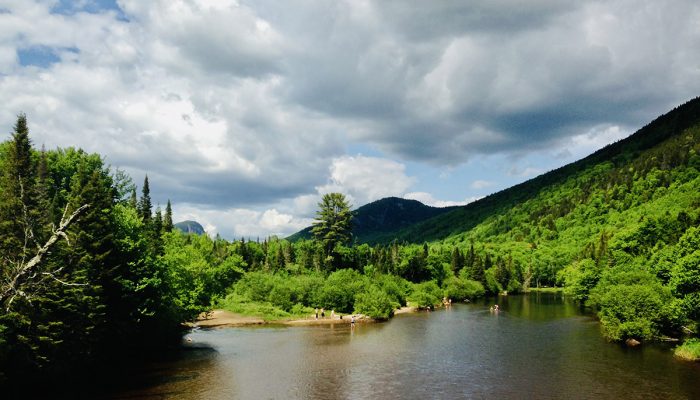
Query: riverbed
{"points": [[539, 346]]}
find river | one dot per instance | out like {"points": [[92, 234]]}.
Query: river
{"points": [[539, 346]]}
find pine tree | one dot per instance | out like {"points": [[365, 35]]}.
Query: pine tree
{"points": [[145, 205], [133, 203], [157, 232], [333, 224], [17, 205], [168, 219]]}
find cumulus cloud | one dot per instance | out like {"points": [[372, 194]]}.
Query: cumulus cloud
{"points": [[428, 199], [361, 179], [240, 222], [235, 105], [481, 184]]}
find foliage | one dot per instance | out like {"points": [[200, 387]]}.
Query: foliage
{"points": [[425, 294], [689, 350], [375, 303], [333, 223], [633, 304], [462, 289]]}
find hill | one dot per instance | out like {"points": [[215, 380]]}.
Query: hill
{"points": [[190, 227], [668, 143], [379, 221]]}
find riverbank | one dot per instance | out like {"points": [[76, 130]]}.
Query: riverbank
{"points": [[224, 318]]}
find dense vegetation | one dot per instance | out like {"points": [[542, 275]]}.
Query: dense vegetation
{"points": [[84, 274]]}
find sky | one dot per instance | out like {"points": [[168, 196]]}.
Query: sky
{"points": [[244, 113]]}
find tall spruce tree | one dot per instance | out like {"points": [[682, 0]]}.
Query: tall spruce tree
{"points": [[145, 205], [18, 204], [168, 218]]}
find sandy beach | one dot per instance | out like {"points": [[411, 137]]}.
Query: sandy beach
{"points": [[223, 318]]}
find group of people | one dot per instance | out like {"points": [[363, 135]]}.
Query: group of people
{"points": [[322, 312], [446, 302], [495, 309]]}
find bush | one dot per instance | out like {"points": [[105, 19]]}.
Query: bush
{"points": [[375, 303], [425, 294], [463, 289], [255, 286], [632, 311], [395, 287], [340, 289]]}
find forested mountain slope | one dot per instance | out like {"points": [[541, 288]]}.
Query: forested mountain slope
{"points": [[651, 158], [379, 221]]}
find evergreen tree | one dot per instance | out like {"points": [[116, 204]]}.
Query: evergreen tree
{"points": [[333, 224], [157, 232], [17, 204], [168, 219], [133, 203], [145, 205]]}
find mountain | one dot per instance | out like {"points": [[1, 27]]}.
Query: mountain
{"points": [[664, 147], [190, 227], [377, 222]]}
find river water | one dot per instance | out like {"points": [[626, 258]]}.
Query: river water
{"points": [[540, 346]]}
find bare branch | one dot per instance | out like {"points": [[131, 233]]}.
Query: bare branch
{"points": [[50, 275], [27, 270]]}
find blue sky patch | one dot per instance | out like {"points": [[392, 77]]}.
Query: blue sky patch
{"points": [[70, 7], [40, 56]]}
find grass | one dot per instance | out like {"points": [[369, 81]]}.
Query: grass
{"points": [[690, 350], [263, 310]]}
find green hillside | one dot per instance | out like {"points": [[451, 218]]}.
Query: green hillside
{"points": [[655, 154], [378, 222]]}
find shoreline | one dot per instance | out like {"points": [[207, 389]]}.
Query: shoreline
{"points": [[226, 319]]}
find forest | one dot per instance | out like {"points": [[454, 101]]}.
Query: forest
{"points": [[91, 273]]}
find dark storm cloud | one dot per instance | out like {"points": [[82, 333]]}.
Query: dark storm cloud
{"points": [[440, 82]]}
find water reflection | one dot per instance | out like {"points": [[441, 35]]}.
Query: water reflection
{"points": [[538, 346]]}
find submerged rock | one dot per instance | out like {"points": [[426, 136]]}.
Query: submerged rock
{"points": [[632, 342]]}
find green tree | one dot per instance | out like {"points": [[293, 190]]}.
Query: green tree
{"points": [[145, 205], [168, 218], [16, 200], [333, 223]]}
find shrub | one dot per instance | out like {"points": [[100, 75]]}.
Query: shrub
{"points": [[374, 303], [463, 289], [395, 287], [425, 294], [340, 289], [255, 286], [632, 311]]}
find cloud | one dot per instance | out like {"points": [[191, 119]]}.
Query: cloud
{"points": [[429, 200], [525, 172], [481, 184], [238, 222], [233, 105], [361, 179]]}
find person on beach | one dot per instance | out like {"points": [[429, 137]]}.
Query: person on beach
{"points": [[352, 321], [316, 313], [332, 314], [323, 313]]}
